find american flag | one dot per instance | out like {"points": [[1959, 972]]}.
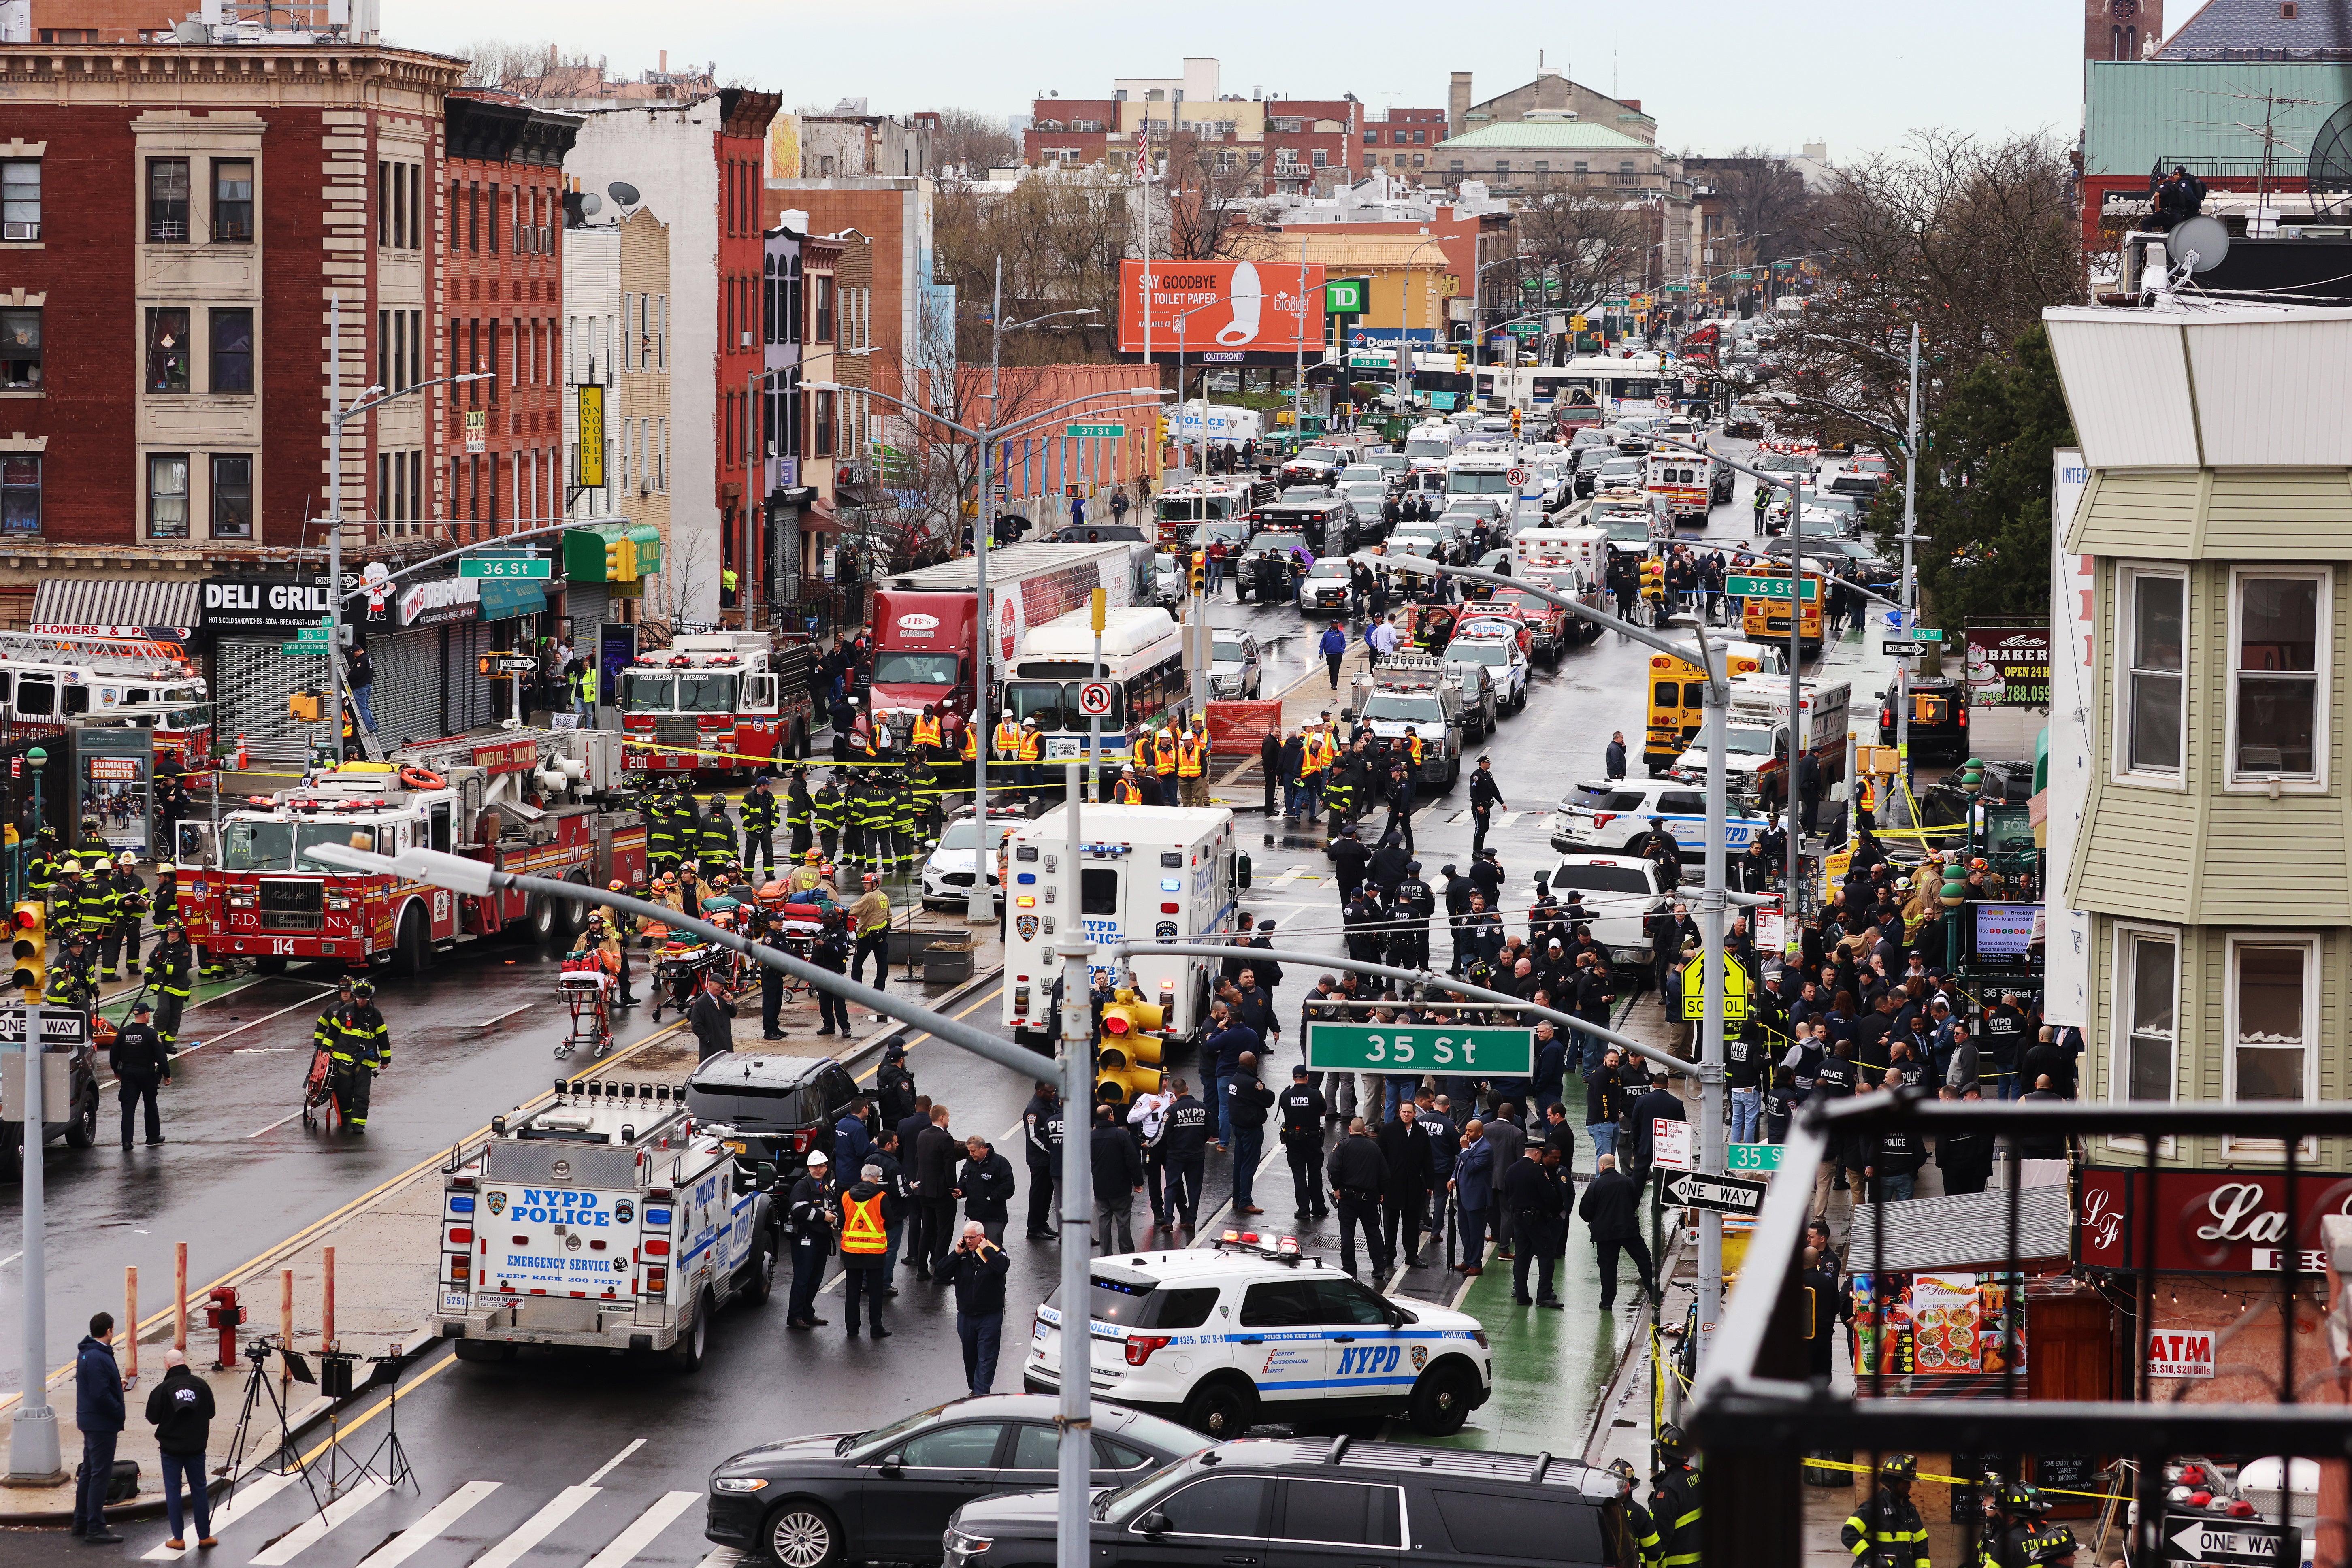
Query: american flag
{"points": [[1142, 152]]}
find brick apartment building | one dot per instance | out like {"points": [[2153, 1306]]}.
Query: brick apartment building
{"points": [[501, 300]]}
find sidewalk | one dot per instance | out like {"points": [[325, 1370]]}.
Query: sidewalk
{"points": [[1242, 786], [386, 1247]]}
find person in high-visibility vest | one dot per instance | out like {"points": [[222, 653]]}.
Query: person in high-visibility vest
{"points": [[1033, 756], [1866, 803], [865, 1251], [1412, 747], [1163, 759], [1314, 756], [1192, 767], [925, 738], [1004, 741], [971, 746], [1129, 793]]}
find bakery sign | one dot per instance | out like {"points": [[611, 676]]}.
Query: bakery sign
{"points": [[2205, 1222], [438, 601]]}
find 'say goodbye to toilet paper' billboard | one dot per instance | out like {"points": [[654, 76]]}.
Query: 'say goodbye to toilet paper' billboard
{"points": [[1207, 306]]}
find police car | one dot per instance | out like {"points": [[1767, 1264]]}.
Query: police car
{"points": [[1613, 817], [1249, 1329], [1493, 641]]}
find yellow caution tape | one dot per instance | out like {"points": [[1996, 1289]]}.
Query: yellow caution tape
{"points": [[1962, 1481]]}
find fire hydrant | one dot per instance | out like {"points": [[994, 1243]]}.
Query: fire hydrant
{"points": [[224, 1314]]}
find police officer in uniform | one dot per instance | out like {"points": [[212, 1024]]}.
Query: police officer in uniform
{"points": [[808, 1223], [140, 1065], [1041, 1147], [1184, 1146], [364, 1050], [171, 969], [1358, 1173], [1886, 1532], [1416, 904], [1303, 1110], [758, 813]]}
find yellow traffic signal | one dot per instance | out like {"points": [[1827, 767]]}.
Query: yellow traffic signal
{"points": [[620, 561], [29, 925], [1199, 572], [1128, 1062], [1515, 421], [303, 706], [1653, 578], [1163, 429], [1460, 364]]}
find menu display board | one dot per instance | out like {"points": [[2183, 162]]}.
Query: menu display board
{"points": [[1937, 1324]]}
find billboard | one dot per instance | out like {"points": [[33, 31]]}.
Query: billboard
{"points": [[1270, 306], [2009, 667]]}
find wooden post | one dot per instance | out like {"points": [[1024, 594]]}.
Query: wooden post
{"points": [[285, 1322], [131, 1322], [326, 1318], [180, 1297]]}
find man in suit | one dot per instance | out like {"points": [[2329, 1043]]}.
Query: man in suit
{"points": [[1411, 1172], [1611, 1212]]}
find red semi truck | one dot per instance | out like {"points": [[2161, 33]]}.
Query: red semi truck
{"points": [[927, 622]]}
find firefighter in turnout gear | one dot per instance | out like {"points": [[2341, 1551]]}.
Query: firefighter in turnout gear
{"points": [[686, 824], [1638, 1524], [716, 846], [73, 982], [759, 814], [826, 814], [661, 834], [41, 872], [171, 972], [1675, 1504], [131, 903], [799, 816], [906, 812], [363, 1049], [1887, 1531]]}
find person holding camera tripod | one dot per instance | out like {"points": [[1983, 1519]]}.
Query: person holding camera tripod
{"points": [[977, 1267]]}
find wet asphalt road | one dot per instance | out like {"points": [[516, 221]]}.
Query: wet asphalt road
{"points": [[577, 1461]]}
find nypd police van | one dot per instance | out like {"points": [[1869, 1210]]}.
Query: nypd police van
{"points": [[1144, 873], [1222, 1337], [1613, 817]]}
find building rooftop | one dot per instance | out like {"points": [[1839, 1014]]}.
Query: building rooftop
{"points": [[2137, 112], [2261, 30], [1572, 135]]}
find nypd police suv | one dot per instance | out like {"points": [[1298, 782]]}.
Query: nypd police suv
{"points": [[1222, 1337]]}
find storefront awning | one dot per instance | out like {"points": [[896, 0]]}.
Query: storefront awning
{"points": [[114, 607], [1970, 1231], [583, 549]]}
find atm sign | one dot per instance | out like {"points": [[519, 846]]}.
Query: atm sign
{"points": [[2171, 1354]]}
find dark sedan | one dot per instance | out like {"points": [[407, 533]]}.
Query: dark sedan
{"points": [[885, 1495]]}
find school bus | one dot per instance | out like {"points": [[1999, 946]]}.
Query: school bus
{"points": [[1678, 696], [1766, 620]]}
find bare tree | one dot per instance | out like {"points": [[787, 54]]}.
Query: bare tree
{"points": [[1969, 238], [495, 62], [688, 581], [1765, 204], [1061, 237], [1209, 189], [1593, 242], [970, 142]]}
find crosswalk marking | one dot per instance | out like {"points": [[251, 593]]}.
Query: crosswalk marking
{"points": [[286, 1547], [1508, 817], [642, 1530], [536, 1529], [425, 1531], [249, 1496], [1288, 877]]}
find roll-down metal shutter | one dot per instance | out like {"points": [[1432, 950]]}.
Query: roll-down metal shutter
{"points": [[251, 683], [407, 697]]}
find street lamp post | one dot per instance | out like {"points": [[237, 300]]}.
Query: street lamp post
{"points": [[369, 400], [981, 903], [1404, 328], [35, 1455]]}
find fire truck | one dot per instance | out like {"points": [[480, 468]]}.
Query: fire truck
{"points": [[52, 681], [528, 801], [607, 1220], [723, 702]]}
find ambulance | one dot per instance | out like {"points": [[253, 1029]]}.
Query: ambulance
{"points": [[606, 1220], [1144, 873]]}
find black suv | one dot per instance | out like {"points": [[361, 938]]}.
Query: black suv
{"points": [[780, 1107], [1940, 718], [1323, 1503]]}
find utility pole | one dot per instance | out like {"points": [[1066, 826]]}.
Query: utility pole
{"points": [[35, 1455], [1073, 1537], [335, 526], [1910, 526], [982, 905]]}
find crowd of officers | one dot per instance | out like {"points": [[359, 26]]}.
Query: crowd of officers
{"points": [[876, 817]]}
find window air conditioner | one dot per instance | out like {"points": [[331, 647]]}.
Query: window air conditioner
{"points": [[747, 341], [22, 231], [645, 487]]}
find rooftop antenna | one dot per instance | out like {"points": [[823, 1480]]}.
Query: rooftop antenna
{"points": [[2271, 103]]}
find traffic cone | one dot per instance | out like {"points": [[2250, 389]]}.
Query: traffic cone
{"points": [[240, 751]]}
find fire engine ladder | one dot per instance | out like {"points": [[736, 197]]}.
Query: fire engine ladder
{"points": [[370, 744]]}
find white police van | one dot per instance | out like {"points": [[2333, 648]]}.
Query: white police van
{"points": [[1613, 817], [1222, 1337]]}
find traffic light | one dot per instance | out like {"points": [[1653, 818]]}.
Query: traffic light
{"points": [[1163, 423], [1515, 422], [29, 924], [620, 561], [1653, 578], [303, 706], [1200, 575], [1128, 1061], [1460, 364]]}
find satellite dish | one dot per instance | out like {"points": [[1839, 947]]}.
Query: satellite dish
{"points": [[591, 205], [2329, 167], [2204, 235], [623, 193]]}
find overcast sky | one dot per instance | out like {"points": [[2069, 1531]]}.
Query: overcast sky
{"points": [[1858, 74]]}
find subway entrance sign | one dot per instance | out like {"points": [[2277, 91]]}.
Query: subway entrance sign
{"points": [[1768, 587], [1420, 1048]]}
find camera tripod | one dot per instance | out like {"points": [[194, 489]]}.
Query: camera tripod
{"points": [[388, 1462], [260, 1390]]}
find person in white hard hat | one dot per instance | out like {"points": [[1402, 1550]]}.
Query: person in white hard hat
{"points": [[808, 1222]]}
